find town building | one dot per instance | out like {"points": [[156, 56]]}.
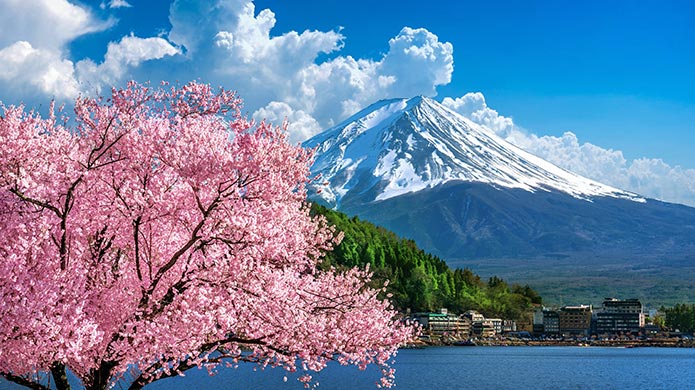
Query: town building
{"points": [[496, 324], [483, 329], [620, 316], [474, 316], [551, 322], [508, 326], [575, 320], [538, 321], [443, 323], [465, 327]]}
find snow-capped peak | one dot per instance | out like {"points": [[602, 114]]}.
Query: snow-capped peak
{"points": [[404, 145]]}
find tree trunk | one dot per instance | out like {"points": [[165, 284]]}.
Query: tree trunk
{"points": [[100, 377], [60, 376]]}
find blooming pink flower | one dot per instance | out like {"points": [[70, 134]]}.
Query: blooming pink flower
{"points": [[159, 230]]}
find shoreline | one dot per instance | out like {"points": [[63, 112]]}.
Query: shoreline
{"points": [[627, 343]]}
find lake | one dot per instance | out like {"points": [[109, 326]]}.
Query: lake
{"points": [[480, 368], [489, 368]]}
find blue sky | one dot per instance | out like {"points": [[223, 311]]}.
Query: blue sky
{"points": [[603, 88], [620, 74]]}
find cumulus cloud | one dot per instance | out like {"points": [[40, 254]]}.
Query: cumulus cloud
{"points": [[340, 87], [245, 47], [646, 176], [300, 124], [233, 45], [472, 105], [129, 52], [45, 24], [420, 50], [195, 23], [25, 69], [649, 177], [34, 59]]}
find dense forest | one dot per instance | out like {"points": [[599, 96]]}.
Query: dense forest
{"points": [[419, 281], [681, 317]]}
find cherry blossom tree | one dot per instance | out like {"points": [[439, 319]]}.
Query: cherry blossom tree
{"points": [[159, 230]]}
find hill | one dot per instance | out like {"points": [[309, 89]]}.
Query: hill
{"points": [[419, 281]]}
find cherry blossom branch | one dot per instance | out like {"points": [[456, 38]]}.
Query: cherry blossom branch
{"points": [[22, 381], [177, 367], [35, 202], [68, 203], [136, 239]]}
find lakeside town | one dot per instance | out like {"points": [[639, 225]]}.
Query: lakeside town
{"points": [[618, 322]]}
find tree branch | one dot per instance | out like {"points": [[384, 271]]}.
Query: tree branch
{"points": [[136, 238], [69, 202], [36, 202], [22, 381], [91, 159], [176, 256], [177, 288], [145, 376]]}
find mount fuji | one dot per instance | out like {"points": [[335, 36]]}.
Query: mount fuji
{"points": [[399, 146], [468, 196]]}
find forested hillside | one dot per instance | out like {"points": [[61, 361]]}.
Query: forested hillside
{"points": [[420, 281]]}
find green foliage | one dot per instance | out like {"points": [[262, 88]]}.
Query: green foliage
{"points": [[681, 317], [418, 280]]}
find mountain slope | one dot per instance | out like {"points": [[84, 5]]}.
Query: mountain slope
{"points": [[467, 220], [462, 193]]}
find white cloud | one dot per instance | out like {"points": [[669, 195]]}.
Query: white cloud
{"points": [[649, 177], [646, 176], [45, 24], [34, 59], [340, 87], [194, 22], [418, 62], [245, 47], [300, 124], [119, 58], [24, 68], [472, 105], [119, 4]]}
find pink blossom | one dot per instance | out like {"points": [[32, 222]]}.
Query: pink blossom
{"points": [[161, 231]]}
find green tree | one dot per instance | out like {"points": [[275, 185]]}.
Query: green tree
{"points": [[681, 317], [418, 280]]}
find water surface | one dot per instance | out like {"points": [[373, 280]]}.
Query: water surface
{"points": [[477, 368]]}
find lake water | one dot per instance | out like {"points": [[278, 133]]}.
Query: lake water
{"points": [[480, 368], [488, 368]]}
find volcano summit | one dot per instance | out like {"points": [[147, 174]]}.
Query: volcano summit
{"points": [[400, 146]]}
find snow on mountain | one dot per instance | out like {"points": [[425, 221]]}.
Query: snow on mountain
{"points": [[405, 145]]}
